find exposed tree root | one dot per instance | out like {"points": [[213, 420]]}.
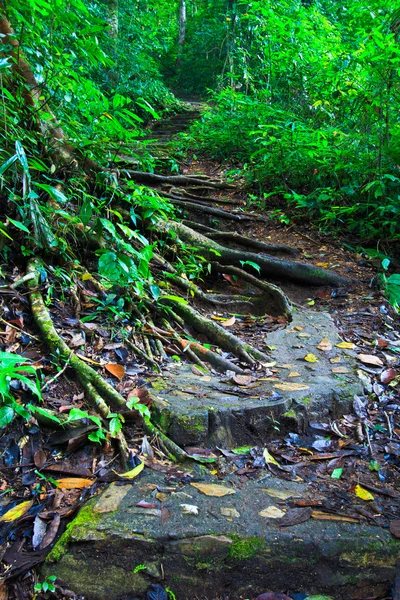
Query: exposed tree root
{"points": [[217, 212], [217, 334], [153, 179], [275, 267], [252, 243]]}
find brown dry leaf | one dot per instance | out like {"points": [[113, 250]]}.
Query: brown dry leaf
{"points": [[294, 516], [232, 281], [335, 359], [318, 514], [39, 458], [143, 395], [16, 512], [288, 386], [382, 343], [212, 489], [3, 592], [340, 370], [325, 345], [72, 483], [115, 369], [51, 532], [271, 512], [370, 359], [388, 375], [243, 379], [346, 345], [229, 322], [294, 374]]}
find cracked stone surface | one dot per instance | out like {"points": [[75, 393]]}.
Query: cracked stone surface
{"points": [[211, 410], [227, 550]]}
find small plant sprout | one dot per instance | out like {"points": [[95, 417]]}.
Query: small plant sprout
{"points": [[47, 585]]}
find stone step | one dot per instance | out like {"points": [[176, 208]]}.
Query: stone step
{"points": [[114, 549]]}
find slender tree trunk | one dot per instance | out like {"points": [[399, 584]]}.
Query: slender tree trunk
{"points": [[113, 23], [182, 31]]}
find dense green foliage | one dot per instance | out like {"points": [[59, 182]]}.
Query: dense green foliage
{"points": [[311, 112]]}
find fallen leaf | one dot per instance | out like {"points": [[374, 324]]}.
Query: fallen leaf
{"points": [[294, 374], [335, 359], [363, 493], [242, 379], [162, 497], [228, 322], [324, 265], [325, 345], [340, 370], [271, 512], [370, 359], [310, 303], [345, 345], [388, 375], [295, 516], [74, 483], [115, 369], [144, 504], [190, 509], [395, 528], [39, 458], [317, 514], [232, 281], [134, 472], [229, 512], [16, 512], [298, 328], [337, 473], [281, 494], [39, 531], [270, 459], [212, 489], [311, 358], [287, 386], [51, 532], [304, 335]]}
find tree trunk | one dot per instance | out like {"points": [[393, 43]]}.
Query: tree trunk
{"points": [[182, 31]]}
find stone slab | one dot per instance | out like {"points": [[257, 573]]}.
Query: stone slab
{"points": [[196, 410], [117, 555]]}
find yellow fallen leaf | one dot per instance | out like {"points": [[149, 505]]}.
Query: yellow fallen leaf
{"points": [[324, 265], [325, 345], [311, 303], [229, 512], [269, 459], [134, 472], [346, 345], [294, 374], [285, 366], [74, 483], [16, 512], [281, 494], [340, 370], [288, 386], [362, 493], [311, 358], [86, 276], [271, 512], [335, 359], [298, 328], [88, 360], [212, 489]]}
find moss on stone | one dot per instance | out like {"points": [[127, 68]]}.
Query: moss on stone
{"points": [[84, 519], [192, 423], [245, 547]]}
